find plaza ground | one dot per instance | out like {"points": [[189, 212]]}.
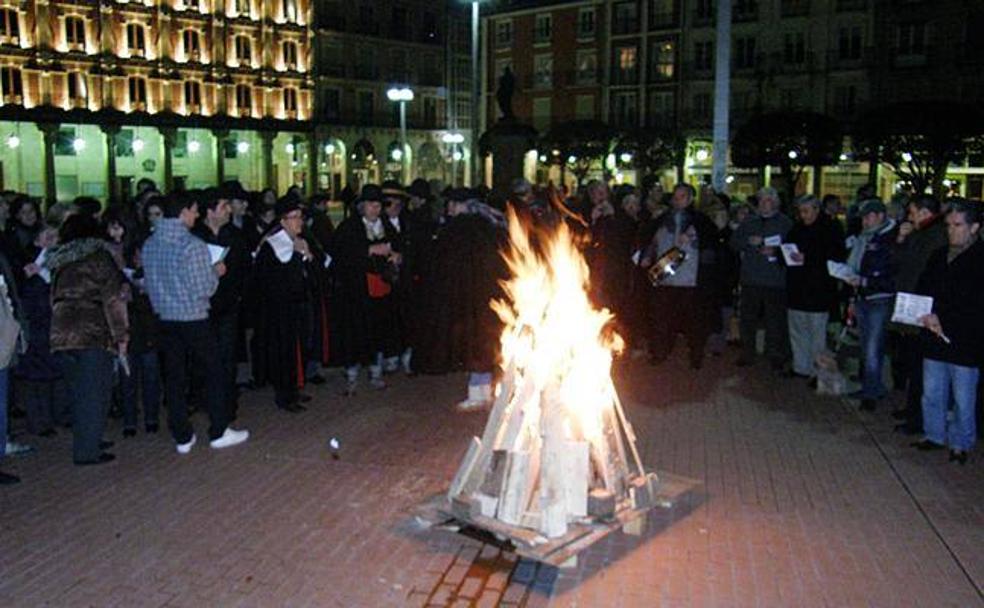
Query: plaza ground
{"points": [[804, 502]]}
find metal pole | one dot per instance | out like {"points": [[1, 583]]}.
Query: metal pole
{"points": [[405, 171], [475, 101], [722, 96]]}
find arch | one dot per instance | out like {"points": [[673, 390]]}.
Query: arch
{"points": [[431, 164]]}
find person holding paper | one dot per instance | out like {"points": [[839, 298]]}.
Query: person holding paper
{"points": [[763, 279], [953, 338], [871, 258], [810, 291]]}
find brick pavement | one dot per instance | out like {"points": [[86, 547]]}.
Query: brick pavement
{"points": [[805, 503]]}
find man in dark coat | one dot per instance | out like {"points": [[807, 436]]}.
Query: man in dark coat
{"points": [[810, 290], [458, 330], [953, 341], [400, 225], [282, 302], [364, 269], [923, 233]]}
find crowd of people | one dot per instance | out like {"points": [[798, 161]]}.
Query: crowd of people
{"points": [[185, 299]]}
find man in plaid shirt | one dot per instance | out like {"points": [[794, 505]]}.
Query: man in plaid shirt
{"points": [[180, 278]]}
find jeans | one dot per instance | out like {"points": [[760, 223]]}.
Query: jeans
{"points": [[872, 318], [771, 301], [4, 390], [941, 381], [47, 402], [807, 338], [89, 374], [226, 326], [145, 370], [179, 339]]}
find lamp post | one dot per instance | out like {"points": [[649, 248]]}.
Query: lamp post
{"points": [[453, 140], [476, 93], [402, 96]]}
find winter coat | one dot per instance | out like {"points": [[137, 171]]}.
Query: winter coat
{"points": [[957, 289], [88, 307], [911, 256], [229, 293], [281, 308], [758, 269], [810, 287], [877, 269], [37, 363]]}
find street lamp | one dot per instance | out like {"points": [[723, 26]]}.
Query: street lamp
{"points": [[453, 140], [476, 92], [402, 96]]}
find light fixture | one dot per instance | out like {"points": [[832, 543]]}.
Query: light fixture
{"points": [[396, 154], [400, 94], [13, 141], [78, 144], [456, 155], [543, 158], [242, 147], [289, 147], [556, 152], [453, 138], [625, 157], [571, 158], [907, 157], [137, 145], [842, 157], [702, 155], [793, 155], [329, 148], [730, 179], [194, 146]]}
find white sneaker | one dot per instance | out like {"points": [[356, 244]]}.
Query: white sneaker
{"points": [[230, 438], [475, 401], [185, 448]]}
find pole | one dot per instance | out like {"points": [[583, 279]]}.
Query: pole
{"points": [[722, 96], [475, 101], [405, 172]]}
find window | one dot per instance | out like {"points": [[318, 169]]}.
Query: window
{"points": [[500, 69], [138, 92], [789, 98], [586, 23], [662, 60], [64, 140], [9, 26], [543, 71], [744, 53], [135, 40], [289, 49], [192, 45], [430, 112], [290, 102], [541, 113], [193, 95], [76, 89], [851, 5], [744, 10], [911, 39], [399, 24], [429, 30], [625, 17], [845, 99], [794, 48], [704, 12], [662, 109], [704, 55], [794, 8], [849, 42], [542, 29], [584, 107], [702, 106], [13, 88], [503, 33], [366, 106], [243, 48], [587, 67], [398, 66], [626, 68], [244, 99], [75, 33], [242, 7], [662, 13], [332, 108], [625, 109], [290, 10]]}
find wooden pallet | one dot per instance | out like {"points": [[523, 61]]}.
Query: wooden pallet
{"points": [[559, 552]]}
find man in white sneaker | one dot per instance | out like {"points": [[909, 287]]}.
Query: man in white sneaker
{"points": [[180, 278]]}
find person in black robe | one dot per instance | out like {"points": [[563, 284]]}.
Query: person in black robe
{"points": [[457, 329], [365, 266], [281, 303]]}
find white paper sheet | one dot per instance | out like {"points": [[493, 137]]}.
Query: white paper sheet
{"points": [[43, 272], [840, 270], [774, 240], [909, 307], [283, 245], [217, 253], [636, 257], [788, 249]]}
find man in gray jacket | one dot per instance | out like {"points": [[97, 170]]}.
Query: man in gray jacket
{"points": [[763, 279]]}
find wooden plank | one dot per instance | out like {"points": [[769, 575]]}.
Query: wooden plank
{"points": [[466, 469], [575, 465], [490, 435], [515, 483]]}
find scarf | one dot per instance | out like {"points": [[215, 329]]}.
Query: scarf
{"points": [[374, 229]]}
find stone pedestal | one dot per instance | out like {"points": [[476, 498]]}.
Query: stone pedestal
{"points": [[507, 141]]}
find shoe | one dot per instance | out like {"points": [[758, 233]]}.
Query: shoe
{"points": [[230, 438], [904, 428], [925, 445], [152, 428], [958, 456], [867, 405], [377, 383], [128, 433], [479, 396], [316, 379], [304, 398], [743, 362], [15, 449], [105, 445], [900, 415], [6, 479], [103, 459], [292, 407], [185, 448]]}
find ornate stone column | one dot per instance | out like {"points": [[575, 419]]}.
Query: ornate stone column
{"points": [[50, 133], [170, 136], [267, 138], [220, 135], [112, 184]]}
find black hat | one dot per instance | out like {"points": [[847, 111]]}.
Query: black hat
{"points": [[232, 189], [872, 205], [371, 192], [393, 189], [285, 205], [460, 195], [419, 188]]}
